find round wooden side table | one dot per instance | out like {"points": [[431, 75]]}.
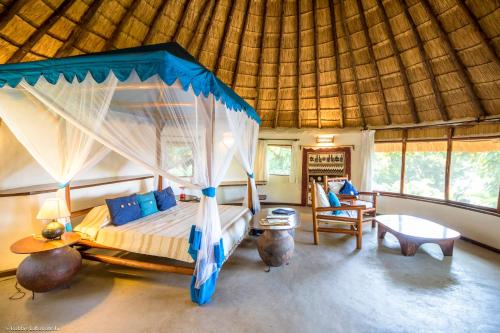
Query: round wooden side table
{"points": [[276, 244], [52, 263]]}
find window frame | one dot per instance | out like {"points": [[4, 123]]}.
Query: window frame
{"points": [[267, 156], [449, 151]]}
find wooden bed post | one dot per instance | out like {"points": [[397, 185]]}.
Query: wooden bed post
{"points": [[67, 196], [160, 183], [249, 189]]}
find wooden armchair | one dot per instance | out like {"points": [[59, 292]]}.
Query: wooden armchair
{"points": [[347, 223], [370, 204]]}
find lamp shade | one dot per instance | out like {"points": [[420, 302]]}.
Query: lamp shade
{"points": [[53, 209]]}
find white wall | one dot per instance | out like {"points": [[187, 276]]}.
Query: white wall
{"points": [[480, 227]]}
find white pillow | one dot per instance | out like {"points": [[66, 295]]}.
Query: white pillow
{"points": [[336, 186], [321, 197]]}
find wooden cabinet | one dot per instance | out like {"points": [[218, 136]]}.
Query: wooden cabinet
{"points": [[319, 163]]}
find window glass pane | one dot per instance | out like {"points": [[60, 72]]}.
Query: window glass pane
{"points": [[179, 160], [425, 169], [279, 160], [387, 168], [475, 172]]}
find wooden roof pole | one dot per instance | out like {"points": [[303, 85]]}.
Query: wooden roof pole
{"points": [[110, 43], [40, 32], [199, 19], [227, 25], [234, 76], [205, 28], [402, 68], [280, 44], [426, 63], [65, 49], [488, 45], [11, 11], [316, 62], [261, 58], [335, 39], [299, 61], [373, 60], [352, 62], [181, 22], [461, 70], [154, 21]]}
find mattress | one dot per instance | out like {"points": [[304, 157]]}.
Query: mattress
{"points": [[164, 234]]}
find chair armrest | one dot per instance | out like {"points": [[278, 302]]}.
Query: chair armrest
{"points": [[333, 209], [347, 197], [369, 193]]}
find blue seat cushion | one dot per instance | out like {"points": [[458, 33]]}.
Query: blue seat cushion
{"points": [[165, 199], [334, 202], [124, 209], [147, 202], [348, 189]]}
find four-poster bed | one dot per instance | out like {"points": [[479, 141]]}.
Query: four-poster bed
{"points": [[140, 102]]}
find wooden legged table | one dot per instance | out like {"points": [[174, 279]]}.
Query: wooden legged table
{"points": [[412, 232]]}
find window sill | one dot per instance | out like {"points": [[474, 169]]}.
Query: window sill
{"points": [[474, 208]]}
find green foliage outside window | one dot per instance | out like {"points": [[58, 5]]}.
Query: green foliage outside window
{"points": [[279, 159], [387, 171], [425, 174]]}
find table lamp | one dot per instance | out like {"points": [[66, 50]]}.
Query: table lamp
{"points": [[53, 209]]}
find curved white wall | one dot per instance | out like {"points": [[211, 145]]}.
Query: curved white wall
{"points": [[480, 227]]}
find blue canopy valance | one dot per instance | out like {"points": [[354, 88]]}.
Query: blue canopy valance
{"points": [[169, 61]]}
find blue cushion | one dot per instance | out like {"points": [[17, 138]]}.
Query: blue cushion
{"points": [[165, 199], [147, 202], [348, 189], [123, 210], [334, 202]]}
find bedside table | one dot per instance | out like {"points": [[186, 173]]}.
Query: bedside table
{"points": [[52, 263]]}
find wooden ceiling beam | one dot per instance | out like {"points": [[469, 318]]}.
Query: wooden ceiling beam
{"points": [[205, 29], [280, 46], [299, 61], [234, 76], [316, 62], [180, 23], [261, 58], [373, 60], [110, 43], [487, 43], [426, 63], [225, 35], [154, 22], [352, 62], [402, 68], [459, 65], [40, 32], [77, 31], [335, 39], [11, 11]]}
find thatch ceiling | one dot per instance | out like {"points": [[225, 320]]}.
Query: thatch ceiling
{"points": [[381, 62]]}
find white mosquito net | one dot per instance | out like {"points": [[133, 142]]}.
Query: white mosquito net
{"points": [[155, 106]]}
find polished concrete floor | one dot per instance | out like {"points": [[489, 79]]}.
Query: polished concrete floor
{"points": [[327, 288]]}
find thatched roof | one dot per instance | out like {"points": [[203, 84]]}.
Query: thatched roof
{"points": [[304, 63]]}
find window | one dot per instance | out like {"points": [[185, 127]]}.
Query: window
{"points": [[475, 172], [387, 166], [279, 159], [425, 169], [179, 160]]}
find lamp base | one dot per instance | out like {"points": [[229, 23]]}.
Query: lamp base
{"points": [[53, 230]]}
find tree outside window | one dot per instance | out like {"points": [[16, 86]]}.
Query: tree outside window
{"points": [[279, 159]]}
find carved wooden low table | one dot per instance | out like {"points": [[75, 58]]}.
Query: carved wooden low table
{"points": [[276, 244], [52, 263], [414, 231]]}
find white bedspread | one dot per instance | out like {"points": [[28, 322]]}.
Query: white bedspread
{"points": [[164, 234]]}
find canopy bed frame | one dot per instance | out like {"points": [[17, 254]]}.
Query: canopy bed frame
{"points": [[139, 102]]}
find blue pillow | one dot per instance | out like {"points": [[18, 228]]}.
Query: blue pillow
{"points": [[124, 209], [334, 202], [165, 199], [348, 189], [147, 202]]}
